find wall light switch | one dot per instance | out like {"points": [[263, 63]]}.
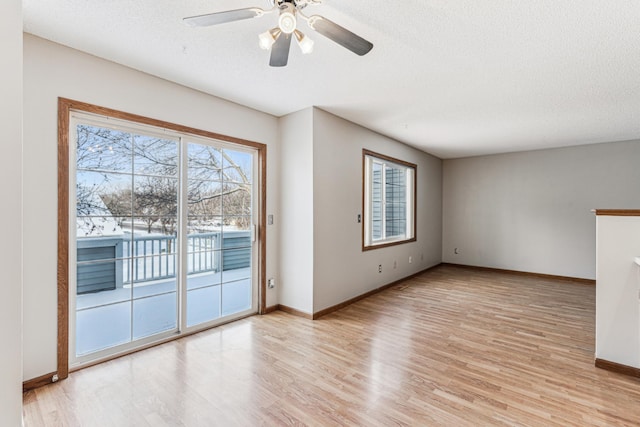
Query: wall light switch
{"points": [[269, 219]]}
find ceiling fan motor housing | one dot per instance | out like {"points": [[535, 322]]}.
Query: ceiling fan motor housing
{"points": [[287, 21], [296, 3]]}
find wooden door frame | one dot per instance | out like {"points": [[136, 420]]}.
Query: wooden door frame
{"points": [[65, 107]]}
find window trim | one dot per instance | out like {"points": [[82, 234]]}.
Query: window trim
{"points": [[365, 210], [65, 109]]}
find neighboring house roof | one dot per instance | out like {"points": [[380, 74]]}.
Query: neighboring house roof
{"points": [[99, 221]]}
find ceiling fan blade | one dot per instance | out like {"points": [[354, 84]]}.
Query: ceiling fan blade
{"points": [[280, 51], [340, 35], [223, 17]]}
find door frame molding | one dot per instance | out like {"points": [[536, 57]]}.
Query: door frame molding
{"points": [[65, 107]]}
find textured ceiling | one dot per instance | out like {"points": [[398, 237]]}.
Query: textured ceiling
{"points": [[453, 78]]}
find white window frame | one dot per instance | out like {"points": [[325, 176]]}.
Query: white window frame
{"points": [[369, 159]]}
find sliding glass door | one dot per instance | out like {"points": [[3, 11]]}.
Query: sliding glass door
{"points": [[220, 232], [164, 235]]}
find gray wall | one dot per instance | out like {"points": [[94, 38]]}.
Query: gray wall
{"points": [[322, 260], [11, 216], [531, 211], [341, 269]]}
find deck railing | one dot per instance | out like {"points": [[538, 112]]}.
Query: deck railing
{"points": [[154, 257], [145, 258]]}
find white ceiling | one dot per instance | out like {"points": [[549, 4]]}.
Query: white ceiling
{"points": [[453, 78]]}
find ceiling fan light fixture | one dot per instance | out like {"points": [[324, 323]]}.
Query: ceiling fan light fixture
{"points": [[268, 38], [278, 39], [305, 43], [287, 21]]}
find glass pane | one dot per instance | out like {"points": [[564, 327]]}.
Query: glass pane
{"points": [[102, 299], [396, 220], [236, 297], [376, 202], [100, 227], [102, 327], [153, 288], [204, 279], [204, 224], [395, 185], [100, 265], [154, 314], [158, 264], [155, 198], [237, 224], [203, 265], [395, 195], [236, 239], [236, 260], [236, 244], [236, 272], [376, 229], [376, 221], [91, 249], [101, 283], [376, 173], [203, 252], [103, 193], [203, 305], [204, 198], [201, 258], [204, 162], [237, 166], [236, 199], [154, 156], [103, 149]]}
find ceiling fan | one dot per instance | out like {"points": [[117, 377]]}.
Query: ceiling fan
{"points": [[278, 39]]}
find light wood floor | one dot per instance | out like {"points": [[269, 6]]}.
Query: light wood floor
{"points": [[451, 347]]}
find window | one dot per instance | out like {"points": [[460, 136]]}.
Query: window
{"points": [[161, 232], [137, 255], [389, 201]]}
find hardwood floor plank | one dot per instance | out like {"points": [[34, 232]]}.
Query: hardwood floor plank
{"points": [[452, 346]]}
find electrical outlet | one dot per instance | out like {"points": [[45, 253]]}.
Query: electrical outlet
{"points": [[410, 259], [270, 219], [379, 268], [271, 283]]}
